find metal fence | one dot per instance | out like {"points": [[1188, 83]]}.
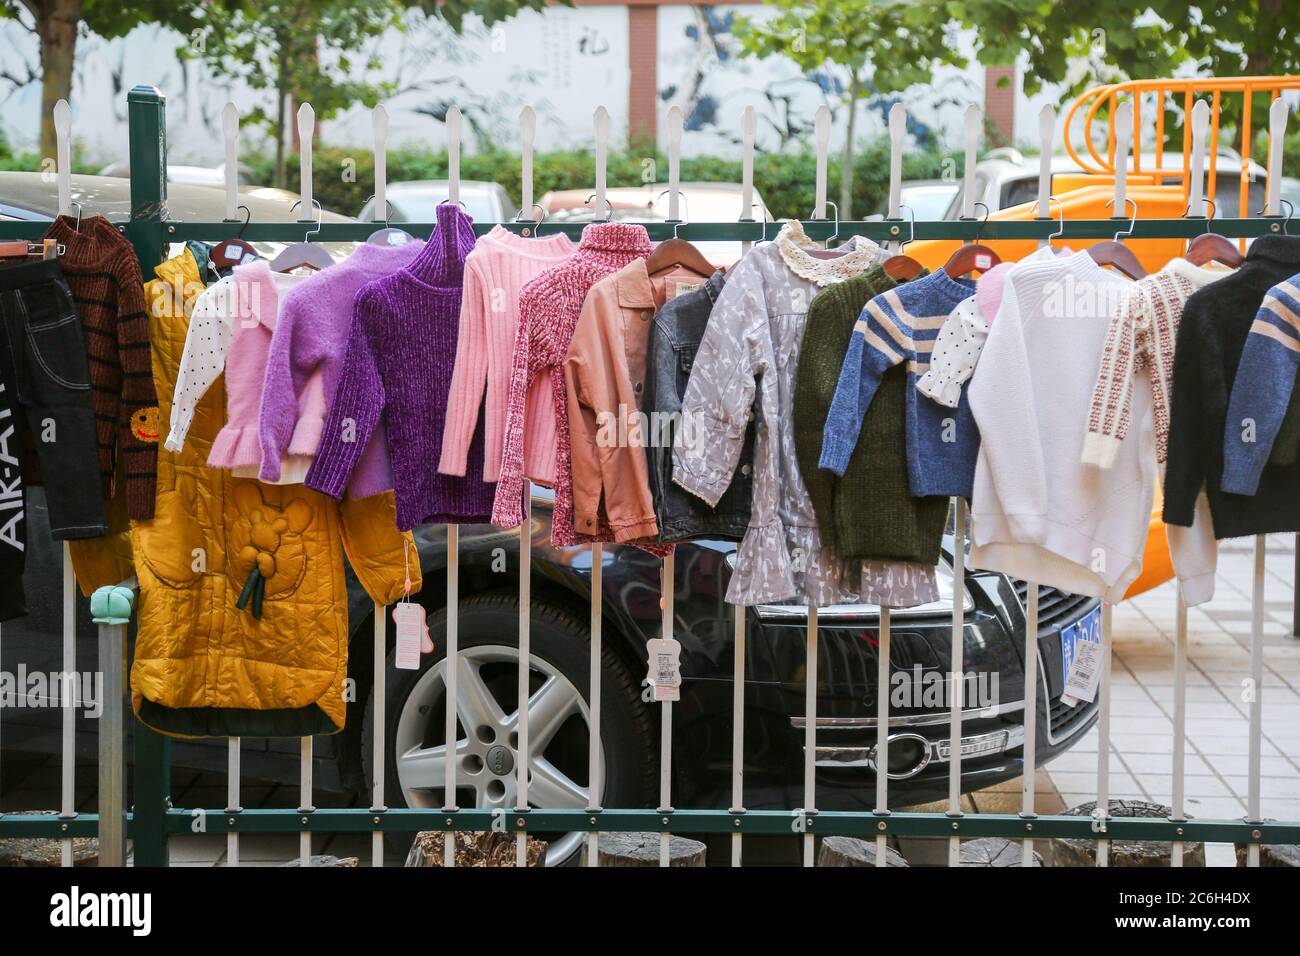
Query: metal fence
{"points": [[153, 818]]}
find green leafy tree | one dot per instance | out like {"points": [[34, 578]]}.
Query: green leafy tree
{"points": [[864, 47], [55, 23]]}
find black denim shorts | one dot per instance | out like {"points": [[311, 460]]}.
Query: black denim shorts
{"points": [[44, 367]]}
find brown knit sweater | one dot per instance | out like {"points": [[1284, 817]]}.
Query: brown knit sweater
{"points": [[101, 268]]}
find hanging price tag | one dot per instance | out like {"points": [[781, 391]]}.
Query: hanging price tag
{"points": [[665, 677], [1084, 674], [412, 635]]}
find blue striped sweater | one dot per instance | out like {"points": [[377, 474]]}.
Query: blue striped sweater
{"points": [[899, 326]]}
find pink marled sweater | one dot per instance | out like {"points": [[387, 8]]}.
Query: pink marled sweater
{"points": [[549, 306], [495, 272]]}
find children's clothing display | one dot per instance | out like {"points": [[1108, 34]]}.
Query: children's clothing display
{"points": [[398, 368], [869, 512], [605, 374], [101, 269], [899, 327], [748, 356], [1216, 323], [675, 335], [499, 266], [304, 363], [206, 664], [1037, 512], [1263, 388], [549, 307]]}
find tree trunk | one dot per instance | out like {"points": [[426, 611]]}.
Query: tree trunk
{"points": [[56, 25], [846, 157], [282, 55]]}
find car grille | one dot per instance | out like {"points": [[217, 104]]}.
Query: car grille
{"points": [[1056, 608]]}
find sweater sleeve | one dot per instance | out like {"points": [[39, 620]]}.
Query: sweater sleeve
{"points": [[1112, 393], [588, 401], [383, 558], [139, 444], [1006, 413], [507, 506], [1195, 554], [355, 411], [716, 409], [956, 352], [1189, 439], [203, 358], [1262, 389], [297, 350], [875, 348], [469, 375]]}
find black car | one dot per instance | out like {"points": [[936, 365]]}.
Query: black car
{"points": [[992, 729]]}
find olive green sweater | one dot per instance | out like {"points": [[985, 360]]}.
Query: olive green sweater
{"points": [[869, 513]]}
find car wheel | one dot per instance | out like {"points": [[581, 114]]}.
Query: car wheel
{"points": [[486, 750]]}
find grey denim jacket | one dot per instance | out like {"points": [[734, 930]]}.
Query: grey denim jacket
{"points": [[674, 339]]}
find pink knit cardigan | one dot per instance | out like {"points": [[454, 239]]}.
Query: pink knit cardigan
{"points": [[495, 272], [549, 306]]}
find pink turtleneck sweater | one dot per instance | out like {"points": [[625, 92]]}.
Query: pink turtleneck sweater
{"points": [[495, 272], [549, 306]]}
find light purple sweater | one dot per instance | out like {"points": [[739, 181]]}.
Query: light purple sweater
{"points": [[302, 370], [397, 369]]}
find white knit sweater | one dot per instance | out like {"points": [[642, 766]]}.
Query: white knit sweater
{"points": [[1038, 512]]}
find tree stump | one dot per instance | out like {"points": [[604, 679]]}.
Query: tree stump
{"points": [[995, 851], [642, 849], [1069, 851], [323, 859], [26, 851], [841, 851], [474, 849], [1272, 854]]}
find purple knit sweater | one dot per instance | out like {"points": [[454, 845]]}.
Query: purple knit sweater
{"points": [[400, 356]]}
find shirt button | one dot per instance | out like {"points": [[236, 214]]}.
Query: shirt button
{"points": [[646, 313], [637, 388], [587, 522], [745, 470]]}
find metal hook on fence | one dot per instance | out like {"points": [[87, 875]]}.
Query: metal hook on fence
{"points": [[537, 227], [1289, 216], [388, 212], [979, 229], [677, 223], [836, 233], [1132, 222], [1060, 233], [912, 218], [610, 217], [320, 214]]}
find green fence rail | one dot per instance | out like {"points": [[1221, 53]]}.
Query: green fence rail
{"points": [[153, 818]]}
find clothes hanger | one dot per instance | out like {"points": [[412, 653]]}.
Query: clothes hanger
{"points": [[1212, 247], [676, 253], [535, 230], [972, 257], [389, 235], [233, 252], [900, 267], [1113, 252], [22, 249], [305, 254]]}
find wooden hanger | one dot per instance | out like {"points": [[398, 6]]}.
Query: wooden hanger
{"points": [[973, 257], [1212, 247], [305, 254], [233, 252], [677, 253], [1113, 252]]}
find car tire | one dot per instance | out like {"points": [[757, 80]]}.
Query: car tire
{"points": [[488, 638]]}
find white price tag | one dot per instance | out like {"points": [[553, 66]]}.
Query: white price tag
{"points": [[1085, 673], [665, 675], [412, 635], [983, 262]]}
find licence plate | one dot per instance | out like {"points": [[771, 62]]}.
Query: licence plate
{"points": [[1087, 628]]}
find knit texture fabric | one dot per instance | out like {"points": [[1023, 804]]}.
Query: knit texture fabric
{"points": [[1217, 321], [398, 367], [899, 327], [102, 271], [498, 268], [549, 306], [305, 361], [869, 512], [1263, 388], [1141, 336]]}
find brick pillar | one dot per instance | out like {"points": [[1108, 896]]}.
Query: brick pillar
{"points": [[643, 78], [1000, 102]]}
